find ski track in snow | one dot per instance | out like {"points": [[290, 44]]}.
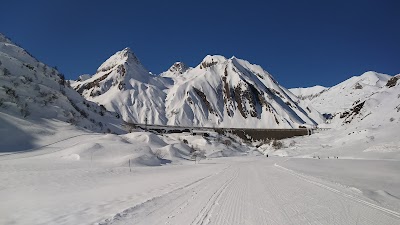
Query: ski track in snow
{"points": [[256, 191]]}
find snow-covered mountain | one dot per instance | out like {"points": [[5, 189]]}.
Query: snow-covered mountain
{"points": [[123, 85], [32, 93], [218, 92], [234, 93], [342, 96]]}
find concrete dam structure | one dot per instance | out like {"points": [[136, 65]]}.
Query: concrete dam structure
{"points": [[244, 133]]}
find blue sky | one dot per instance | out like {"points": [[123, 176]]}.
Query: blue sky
{"points": [[302, 43]]}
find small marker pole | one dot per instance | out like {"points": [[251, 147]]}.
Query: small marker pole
{"points": [[91, 158], [130, 170]]}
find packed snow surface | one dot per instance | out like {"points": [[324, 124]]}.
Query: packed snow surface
{"points": [[91, 184], [144, 178]]}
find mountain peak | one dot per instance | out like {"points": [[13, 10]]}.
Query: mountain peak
{"points": [[369, 74], [127, 49], [122, 71], [211, 60], [128, 54], [121, 57], [178, 67], [373, 78]]}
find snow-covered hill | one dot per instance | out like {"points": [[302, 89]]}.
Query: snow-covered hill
{"points": [[34, 98], [380, 108], [342, 96], [367, 129], [218, 92], [308, 93]]}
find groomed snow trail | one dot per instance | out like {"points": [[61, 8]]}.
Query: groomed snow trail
{"points": [[256, 191]]}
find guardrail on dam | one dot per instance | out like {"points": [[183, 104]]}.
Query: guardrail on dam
{"points": [[244, 133]]}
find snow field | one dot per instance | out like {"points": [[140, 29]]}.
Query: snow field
{"points": [[381, 184], [253, 190]]}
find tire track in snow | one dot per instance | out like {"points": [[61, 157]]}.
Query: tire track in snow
{"points": [[371, 205]]}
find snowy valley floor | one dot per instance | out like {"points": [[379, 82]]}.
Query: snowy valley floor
{"points": [[46, 188]]}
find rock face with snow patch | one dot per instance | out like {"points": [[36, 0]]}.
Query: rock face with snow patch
{"points": [[392, 81], [178, 67]]}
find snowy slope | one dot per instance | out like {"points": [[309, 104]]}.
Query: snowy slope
{"points": [[368, 129], [34, 96], [308, 93], [218, 92], [381, 108], [341, 96], [365, 140], [124, 86]]}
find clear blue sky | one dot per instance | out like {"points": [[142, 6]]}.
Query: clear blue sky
{"points": [[302, 43]]}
